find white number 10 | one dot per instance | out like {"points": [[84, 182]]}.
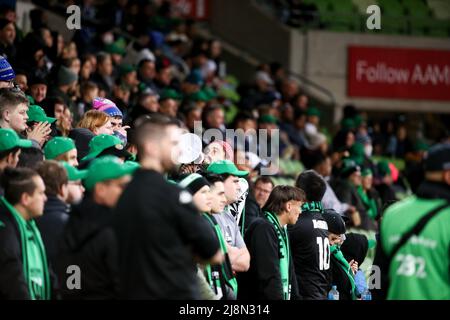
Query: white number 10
{"points": [[324, 253]]}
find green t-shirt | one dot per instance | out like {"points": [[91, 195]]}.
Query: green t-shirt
{"points": [[421, 268]]}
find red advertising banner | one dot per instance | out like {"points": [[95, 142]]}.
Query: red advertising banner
{"points": [[193, 9], [401, 73]]}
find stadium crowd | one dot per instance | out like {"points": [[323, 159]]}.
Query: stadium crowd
{"points": [[88, 132]]}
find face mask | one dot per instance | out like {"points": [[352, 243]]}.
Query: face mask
{"points": [[368, 150], [108, 38]]}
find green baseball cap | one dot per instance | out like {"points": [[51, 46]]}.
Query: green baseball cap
{"points": [[106, 168], [348, 124], [383, 168], [9, 140], [199, 96], [36, 113], [366, 172], [58, 146], [349, 166], [100, 143], [226, 167], [73, 173], [126, 68], [313, 111], [421, 145], [115, 48], [210, 92], [170, 94], [268, 118]]}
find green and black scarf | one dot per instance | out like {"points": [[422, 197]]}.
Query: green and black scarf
{"points": [[284, 253], [33, 255]]}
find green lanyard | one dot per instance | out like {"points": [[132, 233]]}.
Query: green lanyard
{"points": [[337, 253], [284, 253], [22, 225], [232, 282]]}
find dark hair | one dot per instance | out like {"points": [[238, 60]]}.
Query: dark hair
{"points": [[6, 153], [11, 98], [264, 180], [280, 195], [30, 158], [152, 127], [313, 158], [102, 56], [313, 185], [208, 111], [54, 176], [212, 177], [17, 181], [243, 116]]}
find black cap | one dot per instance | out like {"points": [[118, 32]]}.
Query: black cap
{"points": [[37, 79], [438, 158], [335, 221]]}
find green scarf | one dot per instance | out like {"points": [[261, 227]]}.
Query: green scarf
{"points": [[232, 282], [284, 253], [33, 255], [369, 203], [343, 263], [314, 206]]}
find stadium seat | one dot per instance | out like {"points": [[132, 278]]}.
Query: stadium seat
{"points": [[393, 17]]}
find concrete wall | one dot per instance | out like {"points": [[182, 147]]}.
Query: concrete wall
{"points": [[319, 55], [326, 63], [242, 23]]}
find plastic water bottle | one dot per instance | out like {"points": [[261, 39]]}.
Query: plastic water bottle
{"points": [[366, 295], [333, 294]]}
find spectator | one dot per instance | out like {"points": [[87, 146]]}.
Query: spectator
{"points": [[89, 241], [342, 271], [7, 37], [158, 262], [7, 74], [38, 88], [309, 240], [10, 148], [97, 122], [239, 256], [88, 92], [23, 275], [263, 188], [271, 275], [103, 75], [61, 149], [65, 87], [56, 210]]}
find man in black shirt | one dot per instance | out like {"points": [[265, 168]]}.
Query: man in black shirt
{"points": [[310, 246], [159, 231], [271, 275]]}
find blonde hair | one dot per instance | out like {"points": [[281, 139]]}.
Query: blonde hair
{"points": [[93, 119]]}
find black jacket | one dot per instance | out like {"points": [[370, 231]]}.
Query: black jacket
{"points": [[263, 280], [347, 193], [51, 225], [12, 279], [340, 279], [159, 232], [309, 248], [89, 243], [252, 210]]}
